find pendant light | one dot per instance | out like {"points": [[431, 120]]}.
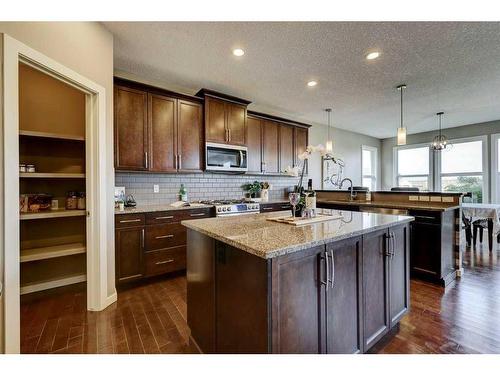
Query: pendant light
{"points": [[329, 142], [401, 129], [440, 141]]}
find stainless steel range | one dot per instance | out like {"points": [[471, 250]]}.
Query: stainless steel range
{"points": [[233, 207]]}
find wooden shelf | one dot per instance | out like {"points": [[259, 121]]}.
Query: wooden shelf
{"points": [[40, 253], [51, 175], [51, 214], [30, 133], [52, 283]]}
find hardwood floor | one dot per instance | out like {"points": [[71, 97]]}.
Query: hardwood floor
{"points": [[152, 318]]}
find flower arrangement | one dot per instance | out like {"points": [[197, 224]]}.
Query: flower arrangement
{"points": [[304, 156]]}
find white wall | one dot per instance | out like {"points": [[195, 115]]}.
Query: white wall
{"points": [[87, 48], [347, 146]]}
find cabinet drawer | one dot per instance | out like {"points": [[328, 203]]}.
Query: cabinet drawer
{"points": [[129, 220], [177, 216], [162, 236], [163, 261], [270, 207]]}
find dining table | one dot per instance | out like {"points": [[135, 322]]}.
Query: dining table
{"points": [[490, 212]]}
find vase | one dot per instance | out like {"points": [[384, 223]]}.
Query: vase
{"points": [[264, 195]]}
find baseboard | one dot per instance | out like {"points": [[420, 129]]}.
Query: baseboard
{"points": [[111, 299]]}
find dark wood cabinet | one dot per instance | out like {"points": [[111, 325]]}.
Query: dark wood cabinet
{"points": [[375, 287], [190, 140], [301, 137], [129, 243], [270, 147], [286, 147], [298, 316], [275, 206], [152, 243], [157, 132], [254, 144], [344, 303], [162, 125], [399, 272], [225, 120], [131, 128]]}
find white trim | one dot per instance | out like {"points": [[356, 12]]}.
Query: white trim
{"points": [[495, 174], [485, 166], [395, 175], [97, 298], [373, 176], [44, 285]]}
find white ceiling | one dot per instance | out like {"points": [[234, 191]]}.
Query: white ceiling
{"points": [[449, 66]]}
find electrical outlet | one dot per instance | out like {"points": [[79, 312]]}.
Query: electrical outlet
{"points": [[413, 197], [423, 198], [447, 199], [156, 188], [436, 198]]}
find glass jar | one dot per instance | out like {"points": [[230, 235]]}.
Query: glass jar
{"points": [[71, 201], [81, 201]]}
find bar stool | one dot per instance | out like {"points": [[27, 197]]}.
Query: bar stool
{"points": [[481, 225]]}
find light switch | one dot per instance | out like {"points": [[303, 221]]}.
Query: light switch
{"points": [[156, 188]]}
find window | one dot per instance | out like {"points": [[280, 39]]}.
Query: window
{"points": [[495, 161], [369, 167], [461, 168], [413, 167]]}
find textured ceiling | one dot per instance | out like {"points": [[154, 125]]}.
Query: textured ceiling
{"points": [[449, 66]]}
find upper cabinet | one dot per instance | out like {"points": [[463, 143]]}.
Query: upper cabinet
{"points": [[225, 118], [157, 132], [131, 128], [254, 144]]}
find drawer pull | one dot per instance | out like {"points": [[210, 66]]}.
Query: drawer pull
{"points": [[163, 217], [285, 207], [164, 262], [267, 208], [194, 215], [130, 221], [165, 236]]}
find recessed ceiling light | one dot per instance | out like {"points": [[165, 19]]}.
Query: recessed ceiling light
{"points": [[238, 52], [372, 55], [312, 83]]}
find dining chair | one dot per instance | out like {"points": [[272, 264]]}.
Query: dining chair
{"points": [[467, 226], [481, 225]]}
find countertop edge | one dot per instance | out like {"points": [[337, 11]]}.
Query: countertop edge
{"points": [[292, 249]]}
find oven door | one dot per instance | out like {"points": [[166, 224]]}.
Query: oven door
{"points": [[226, 158]]}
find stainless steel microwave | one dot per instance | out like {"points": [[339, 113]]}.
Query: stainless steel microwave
{"points": [[225, 158]]}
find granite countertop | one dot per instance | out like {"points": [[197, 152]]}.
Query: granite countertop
{"points": [[268, 239], [139, 209], [396, 205]]}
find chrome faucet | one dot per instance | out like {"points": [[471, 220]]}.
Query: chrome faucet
{"points": [[353, 193]]}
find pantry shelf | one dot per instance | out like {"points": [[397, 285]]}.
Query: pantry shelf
{"points": [[52, 283], [40, 253], [51, 175], [31, 133], [51, 214]]}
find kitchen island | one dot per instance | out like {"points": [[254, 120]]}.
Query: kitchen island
{"points": [[258, 286]]}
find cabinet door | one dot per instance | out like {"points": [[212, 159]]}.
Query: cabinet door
{"points": [[270, 151], [131, 128], [399, 267], [236, 123], [190, 136], [344, 298], [301, 139], [162, 133], [298, 311], [215, 120], [254, 144], [425, 249], [286, 147], [129, 243], [375, 287]]}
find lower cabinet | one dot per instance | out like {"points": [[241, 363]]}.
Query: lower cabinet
{"points": [[274, 206], [150, 244]]}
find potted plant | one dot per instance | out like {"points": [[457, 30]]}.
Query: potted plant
{"points": [[253, 189]]}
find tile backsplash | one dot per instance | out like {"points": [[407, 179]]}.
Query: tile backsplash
{"points": [[199, 186]]}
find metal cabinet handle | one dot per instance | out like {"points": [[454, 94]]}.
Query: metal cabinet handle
{"points": [[285, 207], [163, 217], [146, 159], [333, 269], [164, 262], [327, 271], [130, 221], [263, 167], [266, 208], [387, 250], [229, 135], [179, 161], [142, 238], [165, 236], [195, 215], [176, 162], [393, 249]]}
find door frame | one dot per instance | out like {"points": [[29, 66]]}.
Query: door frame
{"points": [[15, 52]]}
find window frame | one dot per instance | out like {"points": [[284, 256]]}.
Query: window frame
{"points": [[373, 177], [395, 173], [484, 174], [495, 164]]}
